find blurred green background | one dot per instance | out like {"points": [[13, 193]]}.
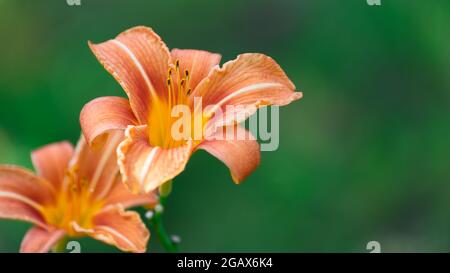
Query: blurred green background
{"points": [[363, 156]]}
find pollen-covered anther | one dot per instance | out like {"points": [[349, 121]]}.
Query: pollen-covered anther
{"points": [[187, 77], [84, 182], [74, 187], [178, 87]]}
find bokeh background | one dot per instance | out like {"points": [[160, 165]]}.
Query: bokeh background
{"points": [[363, 156]]}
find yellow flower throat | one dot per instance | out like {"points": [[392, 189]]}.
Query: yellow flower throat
{"points": [[160, 119], [75, 202]]}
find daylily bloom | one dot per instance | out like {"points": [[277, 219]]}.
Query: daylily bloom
{"points": [[155, 80], [76, 192]]}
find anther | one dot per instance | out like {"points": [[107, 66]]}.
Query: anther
{"points": [[84, 182]]}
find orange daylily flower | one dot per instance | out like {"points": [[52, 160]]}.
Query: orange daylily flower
{"points": [[155, 80], [75, 193]]}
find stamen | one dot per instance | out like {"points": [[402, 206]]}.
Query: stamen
{"points": [[177, 68], [169, 88], [178, 90], [84, 182], [74, 187], [186, 72]]}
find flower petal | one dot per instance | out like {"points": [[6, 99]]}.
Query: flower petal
{"points": [[241, 155], [97, 163], [104, 114], [52, 160], [143, 167], [250, 80], [198, 62], [114, 226], [15, 209], [120, 194], [139, 60], [23, 195], [39, 240]]}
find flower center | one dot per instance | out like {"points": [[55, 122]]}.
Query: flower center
{"points": [[75, 203], [160, 117]]}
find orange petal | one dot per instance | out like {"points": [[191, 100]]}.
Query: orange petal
{"points": [[198, 62], [104, 114], [120, 194], [38, 240], [143, 167], [123, 229], [23, 195], [139, 60], [52, 160], [250, 80], [97, 163], [241, 156], [18, 210]]}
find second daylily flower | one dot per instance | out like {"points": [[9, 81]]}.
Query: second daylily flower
{"points": [[155, 81], [76, 193]]}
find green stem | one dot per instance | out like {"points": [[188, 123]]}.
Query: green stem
{"points": [[163, 236], [60, 247], [165, 189], [157, 220]]}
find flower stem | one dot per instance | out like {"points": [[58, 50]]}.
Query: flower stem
{"points": [[60, 246], [157, 220], [163, 236], [165, 189]]}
